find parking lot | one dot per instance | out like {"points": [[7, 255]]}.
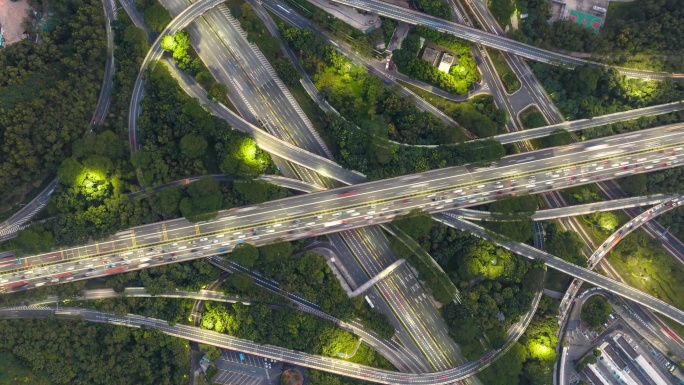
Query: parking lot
{"points": [[236, 368]]}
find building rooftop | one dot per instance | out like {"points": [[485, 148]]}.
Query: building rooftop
{"points": [[612, 354], [430, 55], [446, 61], [626, 347]]}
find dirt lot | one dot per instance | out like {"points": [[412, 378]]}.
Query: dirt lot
{"points": [[11, 16]]}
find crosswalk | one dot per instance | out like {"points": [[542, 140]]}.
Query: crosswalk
{"points": [[20, 224]]}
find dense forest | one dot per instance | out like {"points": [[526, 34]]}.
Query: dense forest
{"points": [[362, 98], [587, 92], [78, 352], [637, 34], [496, 287], [179, 138], [462, 74], [287, 328], [92, 200], [530, 361], [375, 114], [49, 92]]}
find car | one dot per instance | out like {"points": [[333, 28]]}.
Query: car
{"points": [[498, 192]]}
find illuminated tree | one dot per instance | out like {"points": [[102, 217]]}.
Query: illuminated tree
{"points": [[168, 43], [606, 220]]}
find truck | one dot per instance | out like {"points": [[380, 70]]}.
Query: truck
{"points": [[64, 275], [333, 223], [16, 284], [116, 270], [369, 302], [347, 193], [143, 260], [222, 249]]}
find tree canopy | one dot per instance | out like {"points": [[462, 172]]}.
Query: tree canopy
{"points": [[595, 312], [73, 351], [49, 92]]}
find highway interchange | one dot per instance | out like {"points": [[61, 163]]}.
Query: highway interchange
{"points": [[276, 219], [134, 243], [487, 39]]}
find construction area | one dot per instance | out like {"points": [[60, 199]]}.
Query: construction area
{"points": [[11, 16]]}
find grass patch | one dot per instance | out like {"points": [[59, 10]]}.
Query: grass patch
{"points": [[444, 105], [365, 355], [504, 71], [310, 108], [645, 265]]}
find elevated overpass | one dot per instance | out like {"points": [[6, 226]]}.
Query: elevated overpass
{"points": [[568, 211], [612, 241], [488, 39], [533, 172], [369, 203]]}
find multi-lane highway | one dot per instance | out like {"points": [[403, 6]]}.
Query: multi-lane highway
{"points": [[325, 211], [583, 124], [486, 39], [555, 168], [266, 141], [216, 32], [568, 211]]}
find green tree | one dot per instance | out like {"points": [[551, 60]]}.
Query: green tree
{"points": [[218, 92], [168, 43], [35, 239], [211, 353], [203, 201], [240, 283], [606, 220], [595, 312], [534, 120], [588, 78], [245, 255], [193, 146], [169, 200], [286, 71], [157, 17]]}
